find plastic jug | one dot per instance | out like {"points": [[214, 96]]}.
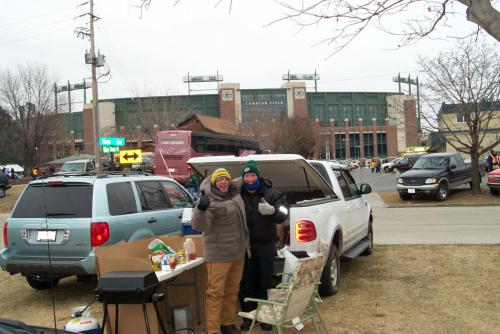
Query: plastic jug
{"points": [[84, 324], [190, 249]]}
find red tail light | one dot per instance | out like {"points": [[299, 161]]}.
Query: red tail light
{"points": [[5, 239], [99, 234], [305, 231], [56, 183]]}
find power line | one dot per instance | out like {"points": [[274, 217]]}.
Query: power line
{"points": [[37, 16], [35, 35], [114, 55], [34, 28]]}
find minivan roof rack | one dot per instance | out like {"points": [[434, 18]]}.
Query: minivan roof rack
{"points": [[68, 174], [121, 173]]}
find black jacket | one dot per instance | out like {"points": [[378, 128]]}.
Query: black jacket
{"points": [[262, 228]]}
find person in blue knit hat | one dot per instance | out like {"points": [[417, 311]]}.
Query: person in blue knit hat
{"points": [[264, 208]]}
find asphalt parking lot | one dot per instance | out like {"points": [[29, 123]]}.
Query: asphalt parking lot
{"points": [[381, 181]]}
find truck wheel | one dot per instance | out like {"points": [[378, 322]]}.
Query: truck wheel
{"points": [[470, 185], [42, 283], [404, 196], [330, 277], [443, 192], [2, 192], [386, 169], [369, 237], [494, 191]]}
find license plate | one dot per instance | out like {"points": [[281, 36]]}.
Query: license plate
{"points": [[411, 191], [46, 236]]}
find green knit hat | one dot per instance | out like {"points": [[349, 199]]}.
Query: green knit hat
{"points": [[250, 167]]}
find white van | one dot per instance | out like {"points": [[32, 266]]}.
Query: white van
{"points": [[77, 166]]}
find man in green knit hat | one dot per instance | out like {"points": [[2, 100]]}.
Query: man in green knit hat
{"points": [[264, 208]]}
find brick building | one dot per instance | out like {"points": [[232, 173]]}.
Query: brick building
{"points": [[349, 125]]}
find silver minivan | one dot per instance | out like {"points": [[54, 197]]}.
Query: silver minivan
{"points": [[57, 222]]}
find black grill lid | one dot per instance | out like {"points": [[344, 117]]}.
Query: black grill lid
{"points": [[127, 287]]}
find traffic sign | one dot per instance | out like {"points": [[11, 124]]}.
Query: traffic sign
{"points": [[111, 141], [131, 157], [110, 149]]}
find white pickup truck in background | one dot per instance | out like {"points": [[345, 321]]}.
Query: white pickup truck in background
{"points": [[325, 203]]}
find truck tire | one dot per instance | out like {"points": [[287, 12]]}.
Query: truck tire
{"points": [[386, 169], [443, 192], [494, 191], [369, 250], [2, 192], [42, 283], [404, 196], [330, 278]]}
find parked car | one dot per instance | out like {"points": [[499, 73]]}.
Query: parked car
{"points": [[4, 184], [325, 203], [494, 181], [147, 164], [77, 167], [388, 166], [434, 175], [18, 170], [404, 164], [58, 221]]}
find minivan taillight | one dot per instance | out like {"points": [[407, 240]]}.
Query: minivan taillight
{"points": [[99, 234], [5, 238], [305, 231]]}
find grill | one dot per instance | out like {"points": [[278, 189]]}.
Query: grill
{"points": [[414, 181], [130, 287], [127, 287]]}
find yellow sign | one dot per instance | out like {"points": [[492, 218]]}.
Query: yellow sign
{"points": [[131, 157]]}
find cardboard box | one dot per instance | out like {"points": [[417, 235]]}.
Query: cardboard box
{"points": [[133, 256]]}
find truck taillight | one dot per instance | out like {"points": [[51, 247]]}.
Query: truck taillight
{"points": [[99, 234], [5, 238], [305, 231]]}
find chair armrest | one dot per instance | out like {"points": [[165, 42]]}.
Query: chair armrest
{"points": [[262, 301]]}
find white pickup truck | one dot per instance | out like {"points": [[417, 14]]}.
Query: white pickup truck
{"points": [[325, 203]]}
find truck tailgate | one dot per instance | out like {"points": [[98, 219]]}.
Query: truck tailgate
{"points": [[312, 220]]}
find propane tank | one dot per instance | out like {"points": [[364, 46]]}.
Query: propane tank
{"points": [[84, 324]]}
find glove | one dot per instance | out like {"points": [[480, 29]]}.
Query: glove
{"points": [[203, 202], [265, 208]]}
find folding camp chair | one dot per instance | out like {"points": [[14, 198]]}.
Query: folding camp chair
{"points": [[293, 302]]}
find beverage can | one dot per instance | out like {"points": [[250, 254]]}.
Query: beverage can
{"points": [[181, 257]]}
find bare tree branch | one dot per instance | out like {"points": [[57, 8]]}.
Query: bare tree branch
{"points": [[26, 95], [465, 82]]}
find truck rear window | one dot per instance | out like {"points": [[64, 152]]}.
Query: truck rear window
{"points": [[70, 200]]}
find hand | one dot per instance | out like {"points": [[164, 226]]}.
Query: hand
{"points": [[203, 202], [265, 208]]}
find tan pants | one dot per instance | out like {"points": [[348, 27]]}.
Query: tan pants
{"points": [[222, 294]]}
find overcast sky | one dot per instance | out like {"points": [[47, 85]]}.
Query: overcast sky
{"points": [[152, 54]]}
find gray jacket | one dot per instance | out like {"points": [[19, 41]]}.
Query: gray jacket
{"points": [[225, 232]]}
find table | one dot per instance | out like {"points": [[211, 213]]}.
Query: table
{"points": [[170, 275], [179, 269]]}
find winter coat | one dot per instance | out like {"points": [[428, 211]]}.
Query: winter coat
{"points": [[262, 228], [223, 224]]}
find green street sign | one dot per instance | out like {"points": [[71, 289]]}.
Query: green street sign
{"points": [[110, 149], [111, 141]]}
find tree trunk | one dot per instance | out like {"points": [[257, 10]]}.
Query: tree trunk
{"points": [[476, 175]]}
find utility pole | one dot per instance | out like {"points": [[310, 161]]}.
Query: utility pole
{"points": [[95, 111]]}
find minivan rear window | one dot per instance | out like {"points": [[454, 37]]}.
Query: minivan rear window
{"points": [[69, 200], [121, 200]]}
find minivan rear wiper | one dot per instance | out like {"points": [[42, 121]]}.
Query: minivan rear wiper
{"points": [[53, 214]]}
